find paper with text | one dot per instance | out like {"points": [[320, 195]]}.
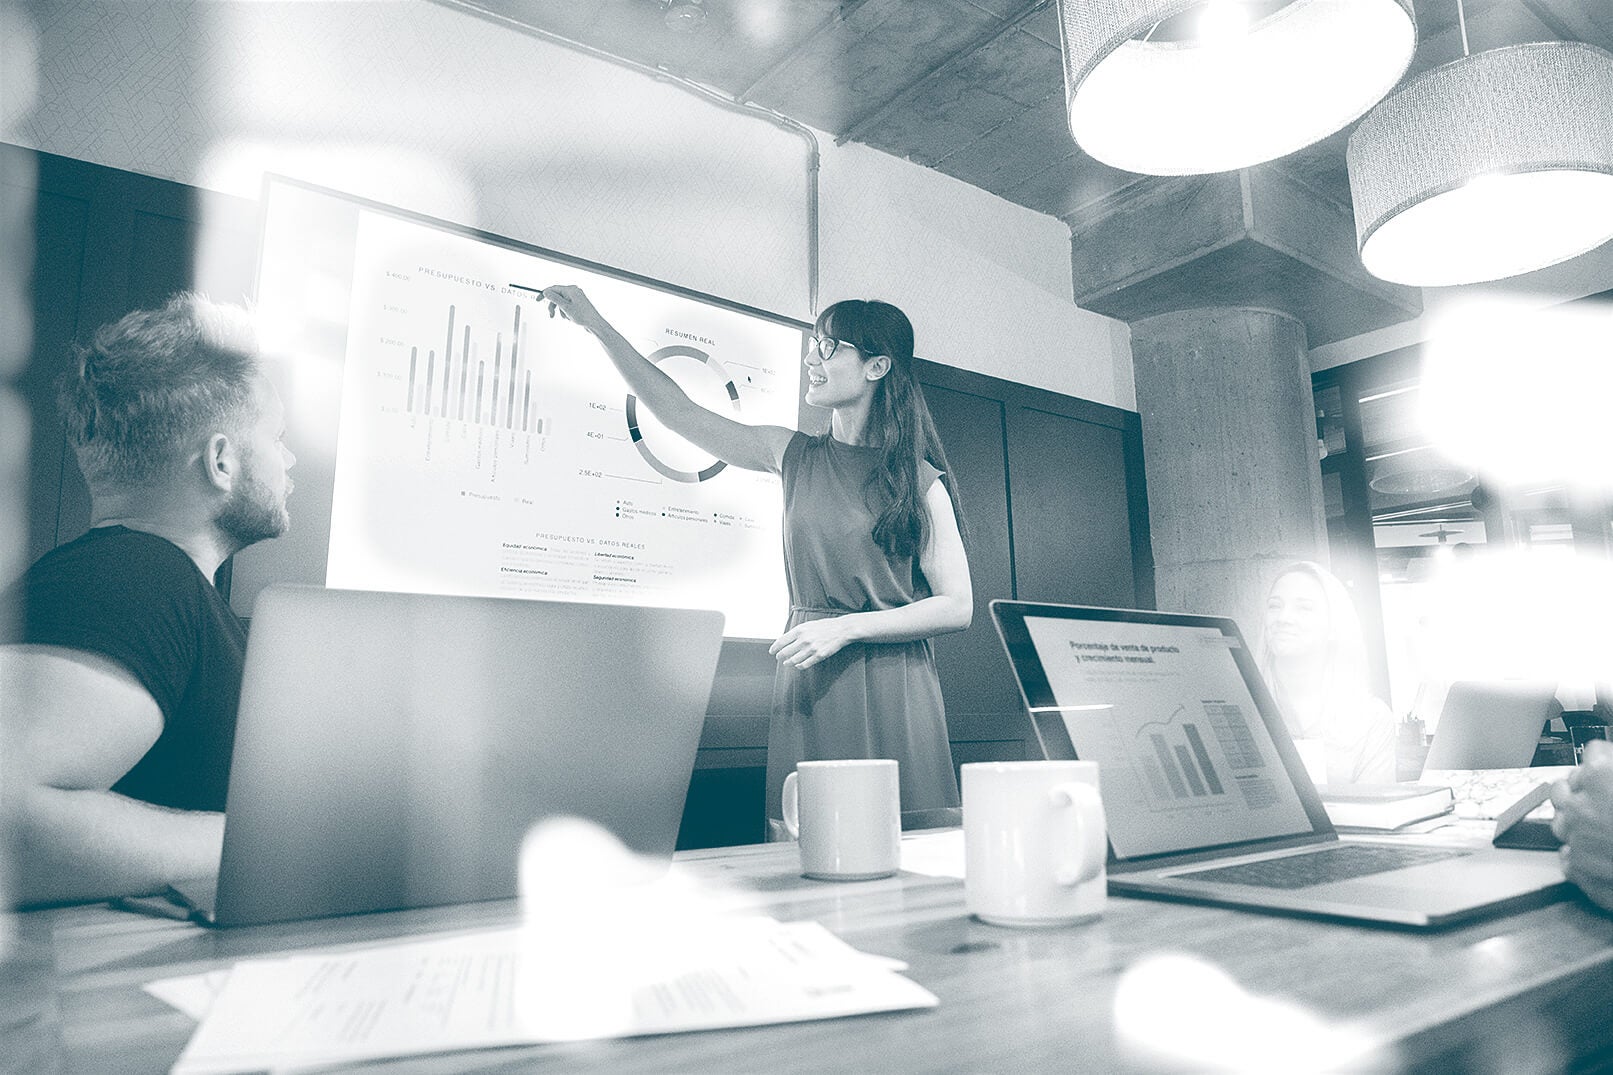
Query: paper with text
{"points": [[484, 991]]}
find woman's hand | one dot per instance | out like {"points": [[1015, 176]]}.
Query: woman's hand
{"points": [[949, 607], [806, 644], [573, 305], [1584, 823]]}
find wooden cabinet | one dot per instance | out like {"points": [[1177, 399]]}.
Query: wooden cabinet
{"points": [[1054, 515]]}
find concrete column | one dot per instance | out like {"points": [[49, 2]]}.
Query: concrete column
{"points": [[1229, 435]]}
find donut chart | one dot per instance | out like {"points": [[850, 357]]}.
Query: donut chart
{"points": [[635, 429]]}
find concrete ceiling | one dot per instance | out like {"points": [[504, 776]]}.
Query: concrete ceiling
{"points": [[971, 88], [974, 89]]}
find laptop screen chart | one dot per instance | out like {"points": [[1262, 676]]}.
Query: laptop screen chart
{"points": [[1184, 759], [1179, 769]]}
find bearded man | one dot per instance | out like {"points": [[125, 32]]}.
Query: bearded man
{"points": [[119, 712]]}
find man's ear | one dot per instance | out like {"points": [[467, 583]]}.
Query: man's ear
{"points": [[219, 462], [876, 367]]}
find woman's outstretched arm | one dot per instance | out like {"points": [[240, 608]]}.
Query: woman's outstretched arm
{"points": [[759, 447]]}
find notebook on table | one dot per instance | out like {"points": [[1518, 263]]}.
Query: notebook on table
{"points": [[392, 750], [1206, 797]]}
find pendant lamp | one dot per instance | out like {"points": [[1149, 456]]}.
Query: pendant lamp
{"points": [[1492, 165], [1186, 87]]}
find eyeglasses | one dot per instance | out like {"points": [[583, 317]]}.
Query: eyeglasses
{"points": [[826, 346]]}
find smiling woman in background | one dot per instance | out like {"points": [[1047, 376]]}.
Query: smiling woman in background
{"points": [[873, 549], [1315, 663]]}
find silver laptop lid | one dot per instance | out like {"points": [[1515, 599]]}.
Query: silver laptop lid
{"points": [[1491, 725], [393, 749], [1193, 756]]}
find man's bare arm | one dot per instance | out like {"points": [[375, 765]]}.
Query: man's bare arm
{"points": [[71, 724]]}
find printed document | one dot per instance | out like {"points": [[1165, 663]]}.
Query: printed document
{"points": [[491, 989]]}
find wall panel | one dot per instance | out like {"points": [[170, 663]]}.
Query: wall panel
{"points": [[1073, 539]]}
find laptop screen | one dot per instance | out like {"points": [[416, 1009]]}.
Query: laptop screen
{"points": [[1165, 706]]}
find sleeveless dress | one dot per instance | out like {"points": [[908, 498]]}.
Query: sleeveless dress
{"points": [[871, 699]]}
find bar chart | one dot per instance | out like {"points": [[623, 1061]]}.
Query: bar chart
{"points": [[431, 389], [1175, 761]]}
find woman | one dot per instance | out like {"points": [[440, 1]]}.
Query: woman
{"points": [[1316, 666], [873, 549]]}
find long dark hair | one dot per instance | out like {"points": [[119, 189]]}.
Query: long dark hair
{"points": [[899, 424]]}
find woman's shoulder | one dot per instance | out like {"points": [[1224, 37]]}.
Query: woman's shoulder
{"points": [[798, 443]]}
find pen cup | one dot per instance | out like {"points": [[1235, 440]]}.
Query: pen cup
{"points": [[1581, 734]]}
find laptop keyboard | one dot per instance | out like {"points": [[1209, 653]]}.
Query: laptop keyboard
{"points": [[1321, 867]]}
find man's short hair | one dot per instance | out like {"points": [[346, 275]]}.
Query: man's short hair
{"points": [[152, 383]]}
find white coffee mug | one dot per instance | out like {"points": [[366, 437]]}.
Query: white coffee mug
{"points": [[1035, 842], [847, 816]]}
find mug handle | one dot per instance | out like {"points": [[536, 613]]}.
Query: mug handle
{"points": [[1087, 832], [792, 805]]}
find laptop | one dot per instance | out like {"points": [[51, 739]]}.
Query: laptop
{"points": [[392, 750], [1206, 797], [1491, 725]]}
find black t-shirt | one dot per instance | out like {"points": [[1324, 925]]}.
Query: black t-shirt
{"points": [[140, 600]]}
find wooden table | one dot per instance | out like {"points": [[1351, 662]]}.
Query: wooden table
{"points": [[1531, 991]]}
